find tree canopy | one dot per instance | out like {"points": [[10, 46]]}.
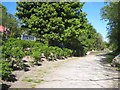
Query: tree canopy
{"points": [[9, 21], [62, 24], [111, 14]]}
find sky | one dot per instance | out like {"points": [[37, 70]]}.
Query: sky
{"points": [[92, 10], [93, 14]]}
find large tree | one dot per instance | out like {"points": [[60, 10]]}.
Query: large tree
{"points": [[110, 13], [62, 24], [9, 21]]}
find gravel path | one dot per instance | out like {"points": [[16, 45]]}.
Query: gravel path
{"points": [[83, 72]]}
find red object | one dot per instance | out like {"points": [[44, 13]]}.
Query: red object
{"points": [[2, 29]]}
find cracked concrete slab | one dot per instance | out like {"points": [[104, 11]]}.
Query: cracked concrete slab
{"points": [[83, 72]]}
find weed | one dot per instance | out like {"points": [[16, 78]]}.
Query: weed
{"points": [[33, 80], [33, 85]]}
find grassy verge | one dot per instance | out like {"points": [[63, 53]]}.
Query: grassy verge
{"points": [[33, 80], [109, 58], [36, 77]]}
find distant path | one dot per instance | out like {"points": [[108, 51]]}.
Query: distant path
{"points": [[83, 72]]}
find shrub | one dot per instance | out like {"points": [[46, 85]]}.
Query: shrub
{"points": [[67, 52], [5, 70], [14, 50], [36, 54]]}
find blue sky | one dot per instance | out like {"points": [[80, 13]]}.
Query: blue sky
{"points": [[91, 8], [93, 14]]}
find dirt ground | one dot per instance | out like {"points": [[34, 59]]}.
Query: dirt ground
{"points": [[76, 72]]}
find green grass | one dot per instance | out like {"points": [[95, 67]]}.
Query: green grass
{"points": [[33, 80], [110, 57], [33, 85], [38, 81], [118, 67]]}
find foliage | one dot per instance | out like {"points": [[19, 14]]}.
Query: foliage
{"points": [[36, 53], [14, 50], [110, 13], [5, 70], [61, 24], [110, 57], [9, 21], [57, 52]]}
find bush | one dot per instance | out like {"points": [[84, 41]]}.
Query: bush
{"points": [[13, 54], [36, 54], [14, 50], [67, 52], [5, 70]]}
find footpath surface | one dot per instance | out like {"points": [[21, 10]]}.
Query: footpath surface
{"points": [[83, 72]]}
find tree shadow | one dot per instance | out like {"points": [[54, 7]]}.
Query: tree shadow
{"points": [[5, 87], [104, 59], [15, 68], [24, 61], [25, 67], [102, 54], [12, 78], [38, 64]]}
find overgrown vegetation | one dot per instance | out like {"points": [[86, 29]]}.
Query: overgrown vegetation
{"points": [[62, 24], [14, 50], [10, 22], [33, 80], [110, 13], [61, 28], [110, 57], [5, 70]]}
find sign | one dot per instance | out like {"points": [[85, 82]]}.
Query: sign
{"points": [[28, 37]]}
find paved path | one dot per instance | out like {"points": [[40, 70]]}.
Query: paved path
{"points": [[84, 72]]}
